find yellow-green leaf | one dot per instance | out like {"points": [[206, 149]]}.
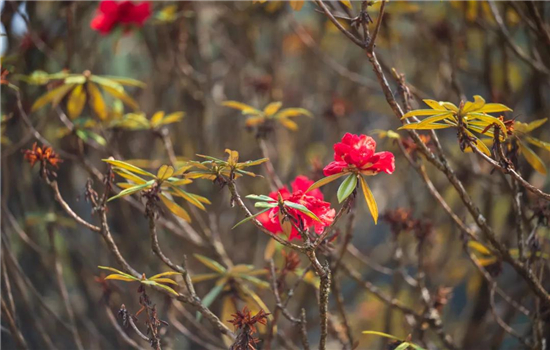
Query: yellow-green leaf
{"points": [[164, 280], [210, 263], [289, 124], [325, 181], [121, 95], [164, 274], [172, 118]]}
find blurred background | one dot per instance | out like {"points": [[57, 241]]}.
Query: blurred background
{"points": [[192, 56]]}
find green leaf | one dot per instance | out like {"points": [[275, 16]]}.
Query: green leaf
{"points": [[248, 218], [132, 190], [404, 345], [261, 197], [265, 205], [255, 281], [325, 181], [210, 297], [369, 198], [346, 187], [302, 209]]}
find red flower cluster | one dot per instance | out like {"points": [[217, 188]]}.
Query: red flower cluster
{"points": [[43, 155], [355, 154], [112, 13], [312, 200]]}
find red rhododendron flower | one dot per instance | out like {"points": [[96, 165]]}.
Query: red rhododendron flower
{"points": [[356, 154], [312, 200], [112, 13]]}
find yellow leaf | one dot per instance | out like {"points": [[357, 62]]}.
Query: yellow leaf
{"points": [[420, 126], [165, 172], [172, 118], [163, 274], [494, 107], [130, 176], [246, 109], [228, 308], [478, 103], [419, 112], [121, 95], [293, 112], [128, 166], [289, 124], [187, 196], [253, 121], [479, 247], [53, 96], [233, 158], [164, 280], [76, 101], [121, 278], [437, 118], [538, 143], [296, 4], [272, 108], [346, 3], [156, 118], [96, 101], [532, 158], [174, 208], [435, 105], [535, 124], [369, 198]]}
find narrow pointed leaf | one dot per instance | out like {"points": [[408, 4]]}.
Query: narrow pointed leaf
{"points": [[128, 166], [132, 190], [214, 265], [248, 218], [325, 181], [76, 102], [302, 209], [175, 208], [369, 198]]}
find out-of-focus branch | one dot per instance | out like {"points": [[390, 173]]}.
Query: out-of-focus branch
{"points": [[535, 64], [14, 331]]}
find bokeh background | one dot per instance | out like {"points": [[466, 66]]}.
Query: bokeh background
{"points": [[192, 56]]}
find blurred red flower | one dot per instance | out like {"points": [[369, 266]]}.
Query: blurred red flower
{"points": [[312, 200], [112, 13], [355, 153]]}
